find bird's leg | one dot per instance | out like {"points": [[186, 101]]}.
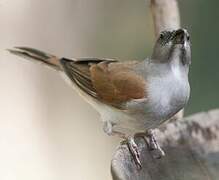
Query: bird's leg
{"points": [[153, 145], [134, 151], [108, 128]]}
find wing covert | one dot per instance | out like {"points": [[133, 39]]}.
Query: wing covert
{"points": [[109, 81]]}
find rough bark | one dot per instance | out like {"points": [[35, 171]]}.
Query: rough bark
{"points": [[192, 152]]}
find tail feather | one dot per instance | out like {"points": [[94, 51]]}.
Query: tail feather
{"points": [[37, 55]]}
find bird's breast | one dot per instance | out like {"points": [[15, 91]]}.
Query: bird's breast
{"points": [[167, 95]]}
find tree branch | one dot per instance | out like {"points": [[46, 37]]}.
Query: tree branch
{"points": [[165, 15]]}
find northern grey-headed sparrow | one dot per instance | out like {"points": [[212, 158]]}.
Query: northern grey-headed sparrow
{"points": [[132, 96]]}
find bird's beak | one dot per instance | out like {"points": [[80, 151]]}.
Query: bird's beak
{"points": [[181, 36]]}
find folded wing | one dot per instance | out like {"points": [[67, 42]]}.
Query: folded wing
{"points": [[107, 80]]}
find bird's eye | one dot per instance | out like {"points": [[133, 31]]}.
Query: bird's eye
{"points": [[188, 38], [161, 36]]}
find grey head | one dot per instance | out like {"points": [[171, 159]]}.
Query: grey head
{"points": [[171, 44]]}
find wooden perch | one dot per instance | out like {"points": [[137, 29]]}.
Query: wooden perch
{"points": [[192, 152]]}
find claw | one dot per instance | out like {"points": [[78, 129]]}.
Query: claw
{"points": [[158, 153], [152, 143], [134, 151]]}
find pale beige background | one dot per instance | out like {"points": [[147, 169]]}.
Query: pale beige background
{"points": [[47, 132]]}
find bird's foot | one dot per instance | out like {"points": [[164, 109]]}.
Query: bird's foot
{"points": [[134, 151], [157, 152]]}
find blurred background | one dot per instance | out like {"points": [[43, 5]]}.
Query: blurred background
{"points": [[47, 131]]}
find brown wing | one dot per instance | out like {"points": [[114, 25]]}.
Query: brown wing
{"points": [[106, 80]]}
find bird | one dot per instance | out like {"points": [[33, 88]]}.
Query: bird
{"points": [[130, 96]]}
